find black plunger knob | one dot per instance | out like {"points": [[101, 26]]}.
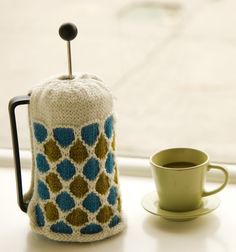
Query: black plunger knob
{"points": [[68, 31]]}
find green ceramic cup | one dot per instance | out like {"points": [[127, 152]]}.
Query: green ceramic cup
{"points": [[181, 188]]}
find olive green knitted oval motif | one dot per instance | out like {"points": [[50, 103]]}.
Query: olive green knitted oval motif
{"points": [[101, 147], [53, 182], [104, 214], [113, 144], [116, 175], [77, 217], [102, 184], [52, 150], [51, 211], [78, 152], [79, 187], [119, 204]]}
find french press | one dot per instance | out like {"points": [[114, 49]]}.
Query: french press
{"points": [[74, 193]]}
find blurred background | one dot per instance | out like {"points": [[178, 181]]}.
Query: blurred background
{"points": [[169, 63]]}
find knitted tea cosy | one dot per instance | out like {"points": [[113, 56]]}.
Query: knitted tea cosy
{"points": [[74, 194]]}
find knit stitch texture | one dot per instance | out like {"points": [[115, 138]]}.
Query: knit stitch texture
{"points": [[74, 194]]}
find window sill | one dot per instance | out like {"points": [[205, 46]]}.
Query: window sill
{"points": [[208, 233], [138, 167]]}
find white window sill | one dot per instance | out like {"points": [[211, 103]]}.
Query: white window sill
{"points": [[138, 167], [144, 232]]}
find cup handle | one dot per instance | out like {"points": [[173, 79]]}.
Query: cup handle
{"points": [[217, 167], [13, 103]]}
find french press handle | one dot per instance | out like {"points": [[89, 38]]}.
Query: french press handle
{"points": [[13, 103]]}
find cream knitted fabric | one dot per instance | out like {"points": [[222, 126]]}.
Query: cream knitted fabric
{"points": [[74, 193]]}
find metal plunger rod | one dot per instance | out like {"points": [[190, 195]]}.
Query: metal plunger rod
{"points": [[69, 60], [68, 32]]}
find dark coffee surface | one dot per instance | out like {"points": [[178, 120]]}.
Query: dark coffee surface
{"points": [[179, 165]]}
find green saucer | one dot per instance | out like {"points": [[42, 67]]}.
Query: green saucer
{"points": [[150, 204]]}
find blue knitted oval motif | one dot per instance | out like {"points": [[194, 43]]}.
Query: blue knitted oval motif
{"points": [[112, 195], [114, 221], [66, 169], [42, 163], [39, 216], [92, 202], [108, 126], [64, 136], [109, 163], [91, 229], [40, 132], [43, 191], [61, 227], [65, 201], [90, 133], [91, 169]]}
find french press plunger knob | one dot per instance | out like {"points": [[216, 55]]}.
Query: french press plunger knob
{"points": [[68, 32]]}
